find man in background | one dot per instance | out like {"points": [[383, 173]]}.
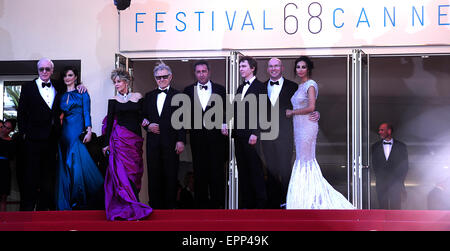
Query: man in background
{"points": [[390, 163]]}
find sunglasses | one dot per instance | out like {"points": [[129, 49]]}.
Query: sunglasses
{"points": [[42, 69], [162, 77]]}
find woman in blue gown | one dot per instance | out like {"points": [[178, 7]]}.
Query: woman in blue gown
{"points": [[79, 183]]}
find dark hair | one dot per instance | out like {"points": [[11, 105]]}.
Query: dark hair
{"points": [[251, 62], [308, 62], [13, 123], [201, 62], [74, 70]]}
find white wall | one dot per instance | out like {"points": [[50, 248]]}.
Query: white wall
{"points": [[83, 29]]}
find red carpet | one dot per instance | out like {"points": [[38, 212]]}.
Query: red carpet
{"points": [[233, 220]]}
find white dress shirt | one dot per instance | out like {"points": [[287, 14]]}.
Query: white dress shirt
{"points": [[204, 95], [160, 100], [244, 91], [387, 148], [47, 93], [273, 91]]}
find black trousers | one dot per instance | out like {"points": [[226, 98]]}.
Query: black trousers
{"points": [[252, 188], [162, 165], [208, 159], [389, 196], [278, 160], [39, 175]]}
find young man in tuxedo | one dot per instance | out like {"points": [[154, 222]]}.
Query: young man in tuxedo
{"points": [[390, 163], [246, 134], [38, 118], [208, 145], [164, 142]]}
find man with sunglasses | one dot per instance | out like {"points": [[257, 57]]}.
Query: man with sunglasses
{"points": [[39, 124], [164, 142]]}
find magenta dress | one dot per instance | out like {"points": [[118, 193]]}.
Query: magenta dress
{"points": [[125, 166]]}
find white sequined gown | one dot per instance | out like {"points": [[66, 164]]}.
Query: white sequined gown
{"points": [[308, 189]]}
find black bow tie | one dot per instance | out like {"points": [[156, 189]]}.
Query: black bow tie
{"points": [[274, 83], [246, 83], [387, 143], [165, 91], [204, 87], [46, 84]]}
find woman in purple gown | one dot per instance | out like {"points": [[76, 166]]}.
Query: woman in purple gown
{"points": [[124, 146]]}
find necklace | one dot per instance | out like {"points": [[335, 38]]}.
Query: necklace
{"points": [[123, 96]]}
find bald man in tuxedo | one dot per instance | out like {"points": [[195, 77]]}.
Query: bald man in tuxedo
{"points": [[390, 163]]}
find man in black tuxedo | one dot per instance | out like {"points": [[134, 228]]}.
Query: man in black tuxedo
{"points": [[390, 163], [39, 123], [246, 134], [164, 142], [208, 145], [278, 152]]}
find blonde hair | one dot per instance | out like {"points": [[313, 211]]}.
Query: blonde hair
{"points": [[122, 74]]}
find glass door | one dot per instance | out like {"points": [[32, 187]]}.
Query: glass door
{"points": [[123, 62], [359, 130], [183, 76], [233, 80]]}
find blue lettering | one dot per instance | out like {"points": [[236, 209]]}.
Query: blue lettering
{"points": [[232, 24], [334, 18], [441, 15], [178, 29], [392, 21], [199, 21], [264, 21], [417, 14], [245, 19], [365, 21], [212, 21], [159, 22], [139, 22]]}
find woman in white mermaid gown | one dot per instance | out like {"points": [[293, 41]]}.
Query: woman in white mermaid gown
{"points": [[308, 189]]}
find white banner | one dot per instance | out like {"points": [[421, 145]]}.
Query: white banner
{"points": [[150, 25]]}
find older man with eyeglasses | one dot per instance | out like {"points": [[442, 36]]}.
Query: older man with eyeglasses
{"points": [[164, 142]]}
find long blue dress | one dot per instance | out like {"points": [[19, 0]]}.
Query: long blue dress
{"points": [[79, 182]]}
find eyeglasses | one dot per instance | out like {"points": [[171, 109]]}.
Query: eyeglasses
{"points": [[42, 69], [162, 77]]}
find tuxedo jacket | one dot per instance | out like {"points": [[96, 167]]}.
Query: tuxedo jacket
{"points": [[196, 108], [36, 120], [390, 173], [168, 135], [285, 134], [256, 88]]}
